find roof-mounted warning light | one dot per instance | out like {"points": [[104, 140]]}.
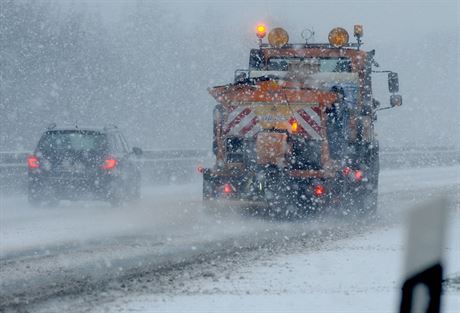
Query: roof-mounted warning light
{"points": [[358, 31], [338, 37], [278, 37], [261, 31]]}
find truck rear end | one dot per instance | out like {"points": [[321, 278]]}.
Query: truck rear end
{"points": [[294, 132]]}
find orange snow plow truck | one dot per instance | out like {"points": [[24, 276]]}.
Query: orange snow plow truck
{"points": [[295, 132]]}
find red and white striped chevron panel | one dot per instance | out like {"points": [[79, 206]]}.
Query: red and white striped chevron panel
{"points": [[310, 122], [241, 121]]}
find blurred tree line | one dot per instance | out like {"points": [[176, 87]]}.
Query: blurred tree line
{"points": [[147, 73]]}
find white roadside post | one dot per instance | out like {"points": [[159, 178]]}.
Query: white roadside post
{"points": [[422, 287]]}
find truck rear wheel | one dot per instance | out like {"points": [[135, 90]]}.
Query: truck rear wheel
{"points": [[366, 203], [361, 202], [208, 187], [366, 196]]}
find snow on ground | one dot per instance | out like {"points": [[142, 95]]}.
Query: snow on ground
{"points": [[403, 180], [360, 274], [339, 275], [23, 227], [164, 210]]}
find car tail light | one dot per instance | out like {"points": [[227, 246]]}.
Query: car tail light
{"points": [[109, 163], [32, 162], [200, 169], [319, 190]]}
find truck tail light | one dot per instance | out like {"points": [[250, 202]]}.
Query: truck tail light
{"points": [[354, 175], [109, 163], [319, 190], [33, 162], [358, 175], [228, 188]]}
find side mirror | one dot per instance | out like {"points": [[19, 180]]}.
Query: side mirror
{"points": [[393, 82], [375, 103], [395, 100], [137, 151], [241, 76]]}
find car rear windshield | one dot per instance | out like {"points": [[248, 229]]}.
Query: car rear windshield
{"points": [[72, 140]]}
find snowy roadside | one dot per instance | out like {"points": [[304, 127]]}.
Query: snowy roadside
{"points": [[360, 274], [120, 248]]}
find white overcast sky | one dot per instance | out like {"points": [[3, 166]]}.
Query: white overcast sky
{"points": [[413, 38]]}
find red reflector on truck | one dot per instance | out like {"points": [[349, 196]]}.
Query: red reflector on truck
{"points": [[319, 190], [358, 175]]}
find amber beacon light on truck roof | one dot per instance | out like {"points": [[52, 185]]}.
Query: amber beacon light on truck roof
{"points": [[338, 37]]}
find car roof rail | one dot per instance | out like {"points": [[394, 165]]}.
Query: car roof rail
{"points": [[110, 127], [51, 126]]}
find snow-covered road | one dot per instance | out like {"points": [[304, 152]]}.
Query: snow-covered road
{"points": [[79, 247], [359, 274]]}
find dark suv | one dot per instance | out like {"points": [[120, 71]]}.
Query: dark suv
{"points": [[83, 163]]}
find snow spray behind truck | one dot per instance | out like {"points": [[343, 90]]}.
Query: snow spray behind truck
{"points": [[295, 131]]}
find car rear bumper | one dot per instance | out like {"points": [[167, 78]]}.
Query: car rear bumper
{"points": [[70, 187]]}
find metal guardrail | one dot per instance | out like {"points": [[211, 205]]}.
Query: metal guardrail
{"points": [[13, 171], [157, 166], [173, 166], [399, 157]]}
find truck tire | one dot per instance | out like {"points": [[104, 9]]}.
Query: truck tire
{"points": [[281, 203], [366, 203], [366, 198], [208, 187], [371, 200]]}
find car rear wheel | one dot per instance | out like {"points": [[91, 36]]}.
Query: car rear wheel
{"points": [[116, 194], [115, 198], [35, 194], [39, 200]]}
